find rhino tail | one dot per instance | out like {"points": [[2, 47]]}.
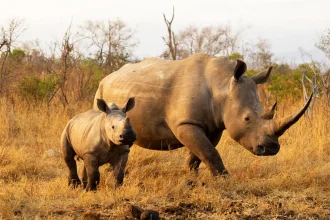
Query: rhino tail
{"points": [[66, 147]]}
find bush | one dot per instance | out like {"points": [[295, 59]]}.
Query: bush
{"points": [[17, 55], [36, 89], [89, 84], [236, 56], [285, 86]]}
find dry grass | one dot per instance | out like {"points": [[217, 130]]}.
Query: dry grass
{"points": [[293, 184]]}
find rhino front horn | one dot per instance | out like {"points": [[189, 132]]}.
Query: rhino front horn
{"points": [[283, 124]]}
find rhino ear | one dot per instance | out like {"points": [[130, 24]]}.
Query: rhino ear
{"points": [[262, 76], [102, 105], [239, 69], [128, 105]]}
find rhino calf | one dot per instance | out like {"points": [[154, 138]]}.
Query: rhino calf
{"points": [[98, 137]]}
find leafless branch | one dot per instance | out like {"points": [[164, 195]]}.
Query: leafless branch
{"points": [[171, 42]]}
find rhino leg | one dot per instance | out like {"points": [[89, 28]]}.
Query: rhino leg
{"points": [[194, 138], [119, 163], [193, 162], [92, 170], [84, 177], [119, 169], [69, 154]]}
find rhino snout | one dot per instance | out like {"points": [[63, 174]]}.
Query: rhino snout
{"points": [[259, 150], [128, 137], [267, 150]]}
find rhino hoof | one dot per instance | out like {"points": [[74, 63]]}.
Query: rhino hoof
{"points": [[135, 211], [225, 174], [90, 189], [74, 183], [90, 215], [150, 215]]}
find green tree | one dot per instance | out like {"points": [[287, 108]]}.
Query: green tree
{"points": [[17, 55], [236, 56], [37, 89], [282, 69]]}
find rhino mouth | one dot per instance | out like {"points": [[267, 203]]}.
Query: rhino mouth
{"points": [[129, 141], [268, 150]]}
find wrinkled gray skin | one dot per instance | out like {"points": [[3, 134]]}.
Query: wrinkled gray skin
{"points": [[190, 102], [98, 137]]}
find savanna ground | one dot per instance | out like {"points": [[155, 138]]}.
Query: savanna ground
{"points": [[295, 184]]}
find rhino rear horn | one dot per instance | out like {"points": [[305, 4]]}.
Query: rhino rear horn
{"points": [[263, 76], [270, 113], [282, 125], [239, 69]]}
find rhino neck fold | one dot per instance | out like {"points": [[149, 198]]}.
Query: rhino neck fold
{"points": [[103, 131], [219, 92]]}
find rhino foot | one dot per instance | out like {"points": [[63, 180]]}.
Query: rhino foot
{"points": [[225, 174], [74, 182], [91, 187]]}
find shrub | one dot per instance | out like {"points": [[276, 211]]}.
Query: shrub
{"points": [[236, 56], [37, 89]]}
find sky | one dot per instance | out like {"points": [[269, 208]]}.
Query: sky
{"points": [[287, 24]]}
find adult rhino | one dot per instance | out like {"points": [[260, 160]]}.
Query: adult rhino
{"points": [[190, 102]]}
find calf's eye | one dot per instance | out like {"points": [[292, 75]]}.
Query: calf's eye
{"points": [[247, 119]]}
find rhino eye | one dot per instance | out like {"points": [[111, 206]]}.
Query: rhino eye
{"points": [[247, 118], [113, 127]]}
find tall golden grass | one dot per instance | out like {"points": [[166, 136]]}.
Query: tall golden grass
{"points": [[293, 184]]}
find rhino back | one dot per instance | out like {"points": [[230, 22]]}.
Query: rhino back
{"points": [[84, 132], [167, 94]]}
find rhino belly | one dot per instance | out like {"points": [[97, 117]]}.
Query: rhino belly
{"points": [[153, 134], [163, 144]]}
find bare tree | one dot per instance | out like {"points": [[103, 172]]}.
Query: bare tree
{"points": [[34, 56], [324, 43], [171, 41], [212, 40], [260, 55], [314, 88], [208, 40], [62, 61], [8, 38], [111, 41], [319, 83], [231, 40], [325, 86]]}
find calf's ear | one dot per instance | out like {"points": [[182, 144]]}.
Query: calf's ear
{"points": [[128, 105], [102, 105]]}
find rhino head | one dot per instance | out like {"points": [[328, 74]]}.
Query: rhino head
{"points": [[117, 125], [245, 119]]}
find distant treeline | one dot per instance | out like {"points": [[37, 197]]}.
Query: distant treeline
{"points": [[70, 70]]}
